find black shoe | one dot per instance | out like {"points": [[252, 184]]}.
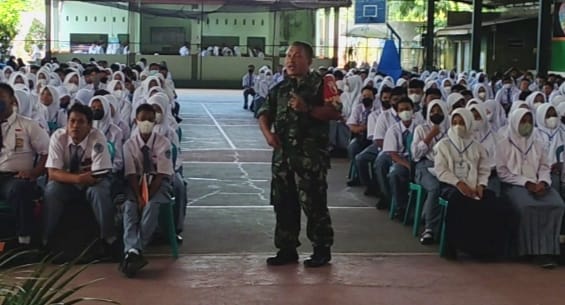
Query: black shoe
{"points": [[111, 252], [370, 192], [427, 238], [245, 107], [132, 263], [179, 239], [545, 261], [399, 214], [283, 257], [321, 257], [353, 182]]}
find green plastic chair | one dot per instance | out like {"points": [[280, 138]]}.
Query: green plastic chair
{"points": [[419, 202], [111, 150], [559, 152], [442, 242], [179, 133], [167, 222], [5, 207]]}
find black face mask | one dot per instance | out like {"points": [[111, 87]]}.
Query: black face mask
{"points": [[563, 119], [385, 104], [367, 102], [97, 114], [251, 71], [104, 80], [437, 118], [425, 111], [64, 105]]}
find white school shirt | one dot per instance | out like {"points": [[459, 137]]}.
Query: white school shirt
{"points": [[356, 117], [95, 157], [160, 149], [394, 141], [245, 81], [535, 158], [114, 134], [371, 123], [475, 157], [184, 51], [419, 148], [384, 122], [23, 139]]}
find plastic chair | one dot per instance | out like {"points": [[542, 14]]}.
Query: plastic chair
{"points": [[111, 150], [179, 133], [442, 242], [352, 175], [420, 192], [167, 222]]}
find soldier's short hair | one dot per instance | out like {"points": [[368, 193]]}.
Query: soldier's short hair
{"points": [[306, 47]]}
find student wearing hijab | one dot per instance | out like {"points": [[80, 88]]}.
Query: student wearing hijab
{"points": [[117, 89], [462, 167], [534, 100], [116, 117], [505, 96], [102, 120], [56, 117], [549, 133], [495, 114], [480, 92], [455, 100], [524, 168], [426, 136], [353, 88], [396, 146]]}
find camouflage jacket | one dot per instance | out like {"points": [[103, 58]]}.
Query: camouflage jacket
{"points": [[303, 138]]}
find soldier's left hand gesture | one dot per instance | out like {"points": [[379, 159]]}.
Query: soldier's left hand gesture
{"points": [[297, 103]]}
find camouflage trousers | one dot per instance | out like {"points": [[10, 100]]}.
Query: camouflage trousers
{"points": [[296, 188]]}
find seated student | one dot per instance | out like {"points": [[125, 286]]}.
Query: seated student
{"points": [[118, 90], [56, 117], [480, 92], [160, 104], [534, 100], [21, 140], [484, 135], [549, 133], [78, 165], [357, 124], [370, 153], [416, 92], [495, 114], [395, 145], [263, 85], [430, 95], [426, 136], [116, 118], [523, 167], [477, 223], [146, 153], [383, 162], [101, 115], [455, 100]]}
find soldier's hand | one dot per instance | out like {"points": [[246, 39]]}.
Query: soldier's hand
{"points": [[273, 140], [297, 103]]}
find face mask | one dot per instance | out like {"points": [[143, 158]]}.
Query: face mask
{"points": [[477, 125], [104, 80], [64, 105], [482, 95], [145, 127], [385, 104], [42, 81], [250, 70], [437, 118], [97, 114], [447, 89], [459, 130], [405, 116], [19, 87], [552, 122], [416, 98], [118, 94], [537, 104], [367, 102], [71, 87], [525, 130], [563, 119], [158, 118], [506, 86]]}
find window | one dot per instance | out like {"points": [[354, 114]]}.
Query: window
{"points": [[95, 19], [114, 19], [67, 18], [123, 19], [253, 22], [76, 18], [235, 22], [86, 18], [226, 21], [104, 19], [262, 22], [217, 21], [244, 21]]}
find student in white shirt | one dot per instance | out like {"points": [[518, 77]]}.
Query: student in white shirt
{"points": [[79, 167], [383, 162], [396, 146], [426, 136], [477, 222], [263, 86], [523, 167], [248, 84], [21, 141], [146, 153], [184, 51], [549, 133]]}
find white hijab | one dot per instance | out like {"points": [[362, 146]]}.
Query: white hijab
{"points": [[104, 124], [462, 142], [53, 109], [551, 138], [24, 103], [495, 114], [517, 159]]}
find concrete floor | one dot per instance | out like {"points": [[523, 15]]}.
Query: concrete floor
{"points": [[229, 231]]}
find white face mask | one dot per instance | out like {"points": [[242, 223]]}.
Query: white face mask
{"points": [[537, 104], [71, 87], [552, 122], [406, 115], [447, 89], [42, 81], [459, 130], [158, 118], [145, 127], [506, 86], [416, 98], [482, 95], [118, 94], [477, 125], [20, 87], [96, 124]]}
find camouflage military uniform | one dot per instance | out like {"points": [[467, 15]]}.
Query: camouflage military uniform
{"points": [[299, 167]]}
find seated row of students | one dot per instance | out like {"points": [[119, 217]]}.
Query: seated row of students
{"points": [[87, 157]]}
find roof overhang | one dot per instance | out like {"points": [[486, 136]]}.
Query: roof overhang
{"points": [[467, 28]]}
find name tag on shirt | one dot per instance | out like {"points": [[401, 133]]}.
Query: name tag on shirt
{"points": [[528, 171], [461, 170]]}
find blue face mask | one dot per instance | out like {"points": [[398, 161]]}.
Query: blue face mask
{"points": [[2, 106]]}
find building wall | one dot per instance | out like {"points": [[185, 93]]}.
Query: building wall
{"points": [[514, 46]]}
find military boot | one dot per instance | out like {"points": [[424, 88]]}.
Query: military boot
{"points": [[283, 257], [321, 257]]}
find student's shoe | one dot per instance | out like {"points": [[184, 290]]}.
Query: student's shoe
{"points": [[545, 261], [132, 263], [245, 106], [111, 252], [321, 257], [283, 257], [353, 182], [427, 238], [370, 192]]}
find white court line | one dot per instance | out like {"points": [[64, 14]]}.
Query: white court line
{"points": [[218, 126], [264, 207], [226, 149], [224, 162], [210, 125]]}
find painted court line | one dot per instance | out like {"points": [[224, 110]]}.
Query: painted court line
{"points": [[190, 206], [218, 126], [226, 162]]}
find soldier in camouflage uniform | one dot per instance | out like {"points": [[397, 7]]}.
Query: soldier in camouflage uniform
{"points": [[300, 117]]}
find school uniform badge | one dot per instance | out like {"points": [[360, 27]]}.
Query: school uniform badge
{"points": [[98, 148]]}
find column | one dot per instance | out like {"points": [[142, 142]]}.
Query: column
{"points": [[476, 35]]}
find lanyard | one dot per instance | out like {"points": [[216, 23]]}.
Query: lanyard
{"points": [[549, 136], [524, 154], [485, 137], [461, 152]]}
